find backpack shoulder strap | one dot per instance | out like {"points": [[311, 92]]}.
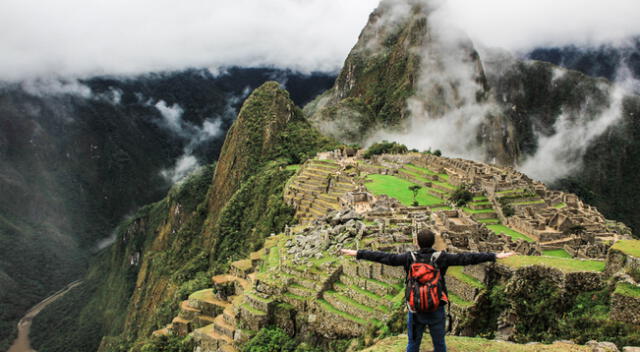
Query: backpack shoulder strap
{"points": [[435, 256], [413, 257]]}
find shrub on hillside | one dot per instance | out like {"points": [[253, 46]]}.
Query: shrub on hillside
{"points": [[507, 209], [275, 340], [461, 196], [385, 147]]}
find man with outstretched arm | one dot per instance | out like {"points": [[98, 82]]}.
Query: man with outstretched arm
{"points": [[417, 322]]}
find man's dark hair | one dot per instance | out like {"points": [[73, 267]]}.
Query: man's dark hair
{"points": [[426, 238]]}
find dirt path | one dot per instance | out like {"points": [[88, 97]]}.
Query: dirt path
{"points": [[22, 343]]}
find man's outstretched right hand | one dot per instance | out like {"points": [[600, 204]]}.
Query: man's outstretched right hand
{"points": [[504, 255]]}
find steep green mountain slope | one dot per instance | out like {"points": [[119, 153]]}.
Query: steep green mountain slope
{"points": [[411, 78], [76, 158], [171, 248]]}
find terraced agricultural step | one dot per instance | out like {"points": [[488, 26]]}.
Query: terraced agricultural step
{"points": [[481, 205], [463, 285], [180, 326], [256, 301], [187, 312], [359, 295], [300, 290], [319, 207], [319, 171], [241, 268], [207, 302], [229, 285], [209, 339], [313, 274], [302, 188], [251, 318], [350, 306], [256, 257], [166, 331], [332, 204], [298, 302], [357, 326], [229, 315], [315, 178], [484, 216], [342, 189], [325, 166], [316, 213], [331, 199], [222, 328], [374, 286], [201, 320]]}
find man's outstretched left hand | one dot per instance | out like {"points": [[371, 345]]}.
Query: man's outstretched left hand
{"points": [[349, 252]]}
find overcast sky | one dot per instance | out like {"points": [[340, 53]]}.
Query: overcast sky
{"points": [[89, 37]]}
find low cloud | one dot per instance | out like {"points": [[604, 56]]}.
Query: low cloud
{"points": [[561, 153], [194, 136], [526, 24], [445, 113], [185, 165], [87, 38], [42, 87], [171, 117]]}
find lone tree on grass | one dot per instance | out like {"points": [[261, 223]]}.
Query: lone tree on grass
{"points": [[415, 189]]}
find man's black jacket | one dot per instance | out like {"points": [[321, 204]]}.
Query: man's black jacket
{"points": [[444, 261]]}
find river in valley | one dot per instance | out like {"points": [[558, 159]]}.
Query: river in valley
{"points": [[22, 343]]}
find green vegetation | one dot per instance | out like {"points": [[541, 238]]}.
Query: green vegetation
{"points": [[414, 190], [328, 307], [478, 211], [559, 253], [420, 169], [255, 210], [179, 239], [476, 344], [274, 340], [398, 188], [560, 205], [587, 318], [564, 264], [455, 299], [531, 202], [168, 344], [441, 208], [294, 167], [630, 247], [626, 289], [350, 301], [489, 221], [461, 196], [456, 271], [385, 147], [509, 232]]}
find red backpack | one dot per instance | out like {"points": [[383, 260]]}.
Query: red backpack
{"points": [[425, 289]]}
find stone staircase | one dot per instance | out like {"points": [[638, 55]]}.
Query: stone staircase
{"points": [[316, 189]]}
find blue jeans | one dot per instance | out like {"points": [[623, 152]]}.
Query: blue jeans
{"points": [[417, 323]]}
